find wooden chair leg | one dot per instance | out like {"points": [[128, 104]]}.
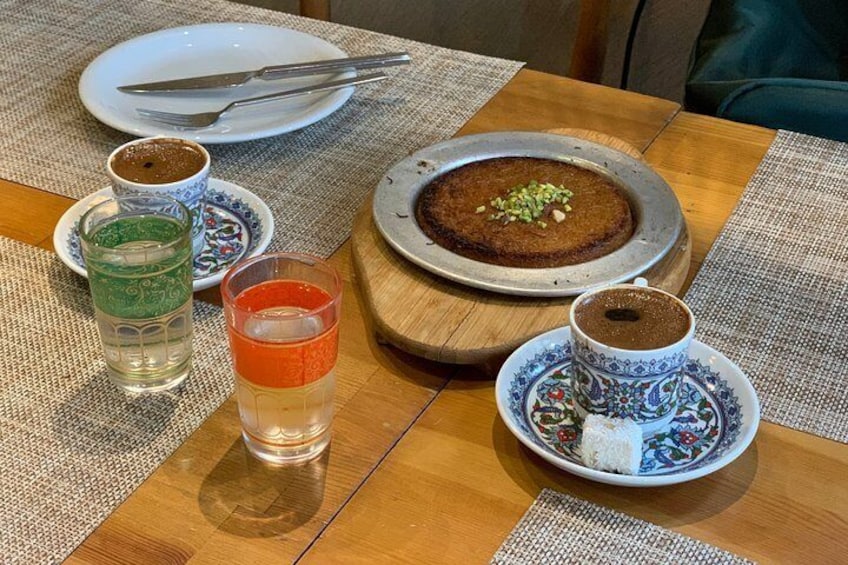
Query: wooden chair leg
{"points": [[590, 45], [316, 9]]}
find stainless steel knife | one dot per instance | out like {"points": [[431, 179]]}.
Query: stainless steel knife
{"points": [[229, 80]]}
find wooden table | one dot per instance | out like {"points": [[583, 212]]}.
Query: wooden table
{"points": [[421, 468]]}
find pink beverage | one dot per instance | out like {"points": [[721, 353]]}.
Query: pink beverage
{"points": [[282, 317]]}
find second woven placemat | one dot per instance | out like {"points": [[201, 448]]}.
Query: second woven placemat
{"points": [[560, 529], [772, 293], [73, 445]]}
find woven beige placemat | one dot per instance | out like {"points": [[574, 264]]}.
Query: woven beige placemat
{"points": [[560, 529], [772, 293], [313, 180], [73, 446]]}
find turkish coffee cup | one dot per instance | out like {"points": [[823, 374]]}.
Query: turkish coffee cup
{"points": [[629, 344]]}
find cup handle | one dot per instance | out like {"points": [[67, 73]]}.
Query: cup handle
{"points": [[640, 281]]}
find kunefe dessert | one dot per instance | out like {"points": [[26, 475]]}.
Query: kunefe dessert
{"points": [[525, 212]]}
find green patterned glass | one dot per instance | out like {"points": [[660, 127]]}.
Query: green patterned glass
{"points": [[138, 257]]}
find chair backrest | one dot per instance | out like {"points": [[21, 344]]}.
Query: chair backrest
{"points": [[776, 63]]}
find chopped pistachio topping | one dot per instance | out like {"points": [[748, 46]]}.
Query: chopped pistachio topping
{"points": [[528, 203]]}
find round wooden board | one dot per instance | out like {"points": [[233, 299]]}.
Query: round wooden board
{"points": [[435, 318]]}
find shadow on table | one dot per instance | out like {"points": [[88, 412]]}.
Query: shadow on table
{"points": [[101, 419], [247, 498], [668, 506]]}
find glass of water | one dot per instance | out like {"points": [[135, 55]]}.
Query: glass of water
{"points": [[138, 256], [282, 312]]}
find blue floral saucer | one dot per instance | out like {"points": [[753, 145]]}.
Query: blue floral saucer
{"points": [[238, 224], [716, 420]]}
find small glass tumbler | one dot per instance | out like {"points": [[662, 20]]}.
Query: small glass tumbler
{"points": [[138, 256], [282, 312]]}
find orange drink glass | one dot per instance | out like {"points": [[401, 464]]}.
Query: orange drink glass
{"points": [[282, 312]]}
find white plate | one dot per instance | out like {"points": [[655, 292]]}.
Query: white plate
{"points": [[717, 419], [238, 225], [210, 49]]}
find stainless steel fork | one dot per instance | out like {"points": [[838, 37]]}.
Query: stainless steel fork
{"points": [[206, 119]]}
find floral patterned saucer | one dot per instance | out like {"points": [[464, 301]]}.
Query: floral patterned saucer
{"points": [[238, 224], [716, 420]]}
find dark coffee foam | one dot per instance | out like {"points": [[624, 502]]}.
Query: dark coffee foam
{"points": [[632, 318], [158, 161]]}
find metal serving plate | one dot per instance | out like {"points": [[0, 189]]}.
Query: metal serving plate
{"points": [[657, 212]]}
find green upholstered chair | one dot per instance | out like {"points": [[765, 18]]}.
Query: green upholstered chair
{"points": [[775, 63]]}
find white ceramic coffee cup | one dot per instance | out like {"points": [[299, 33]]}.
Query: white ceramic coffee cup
{"points": [[191, 191], [639, 384]]}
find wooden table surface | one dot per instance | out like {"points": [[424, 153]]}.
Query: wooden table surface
{"points": [[421, 468]]}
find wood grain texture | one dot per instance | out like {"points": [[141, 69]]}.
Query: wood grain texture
{"points": [[707, 162], [457, 483], [211, 501], [29, 214], [453, 323], [603, 138], [534, 101]]}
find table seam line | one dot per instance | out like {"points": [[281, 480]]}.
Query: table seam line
{"points": [[666, 123], [375, 467]]}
